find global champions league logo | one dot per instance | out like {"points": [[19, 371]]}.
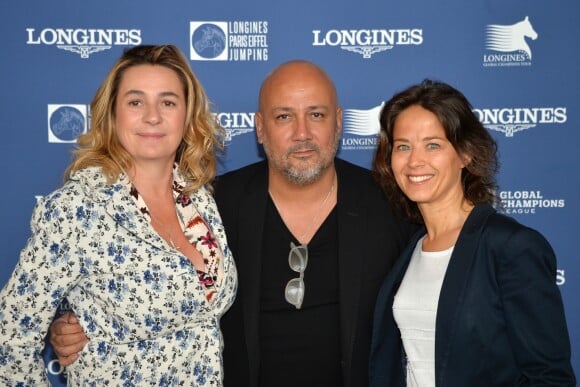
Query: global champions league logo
{"points": [[83, 41], [229, 41], [66, 122], [510, 41], [522, 202]]}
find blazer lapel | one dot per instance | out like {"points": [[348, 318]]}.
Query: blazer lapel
{"points": [[453, 288], [250, 230], [351, 230]]}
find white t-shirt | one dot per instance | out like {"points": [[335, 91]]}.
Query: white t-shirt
{"points": [[415, 312]]}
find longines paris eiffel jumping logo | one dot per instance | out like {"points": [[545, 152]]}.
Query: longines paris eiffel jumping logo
{"points": [[238, 41]]}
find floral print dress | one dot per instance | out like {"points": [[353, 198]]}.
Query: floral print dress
{"points": [[151, 317]]}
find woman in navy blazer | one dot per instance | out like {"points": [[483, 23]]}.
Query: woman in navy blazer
{"points": [[473, 300]]}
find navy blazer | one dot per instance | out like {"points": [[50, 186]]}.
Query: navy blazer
{"points": [[363, 215], [500, 319]]}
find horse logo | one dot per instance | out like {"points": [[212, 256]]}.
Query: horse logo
{"points": [[511, 37], [209, 41], [66, 122], [362, 122]]}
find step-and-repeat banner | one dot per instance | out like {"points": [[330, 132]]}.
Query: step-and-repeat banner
{"points": [[517, 61]]}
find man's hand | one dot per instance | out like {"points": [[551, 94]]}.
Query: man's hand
{"points": [[67, 338]]}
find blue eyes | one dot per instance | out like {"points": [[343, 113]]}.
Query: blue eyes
{"points": [[429, 146]]}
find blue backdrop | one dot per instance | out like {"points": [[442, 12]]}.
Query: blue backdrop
{"points": [[517, 61]]}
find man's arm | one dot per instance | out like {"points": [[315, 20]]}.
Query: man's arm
{"points": [[67, 338]]}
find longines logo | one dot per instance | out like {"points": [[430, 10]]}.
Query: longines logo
{"points": [[83, 41], [512, 120], [236, 124], [509, 44], [67, 122], [360, 128], [238, 41], [368, 41]]}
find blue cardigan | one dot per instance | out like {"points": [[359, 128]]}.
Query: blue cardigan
{"points": [[500, 318]]}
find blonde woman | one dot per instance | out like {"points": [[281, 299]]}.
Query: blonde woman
{"points": [[133, 239]]}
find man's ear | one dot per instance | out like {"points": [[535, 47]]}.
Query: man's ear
{"points": [[259, 122], [339, 120]]}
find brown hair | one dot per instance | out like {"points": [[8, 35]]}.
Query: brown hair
{"points": [[462, 128]]}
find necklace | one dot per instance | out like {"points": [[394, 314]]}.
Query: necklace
{"points": [[316, 215], [166, 229]]}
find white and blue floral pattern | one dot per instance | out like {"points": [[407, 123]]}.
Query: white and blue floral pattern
{"points": [[139, 301]]}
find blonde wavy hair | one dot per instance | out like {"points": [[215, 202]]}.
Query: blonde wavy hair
{"points": [[196, 155]]}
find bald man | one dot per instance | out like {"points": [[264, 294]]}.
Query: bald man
{"points": [[305, 196]]}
